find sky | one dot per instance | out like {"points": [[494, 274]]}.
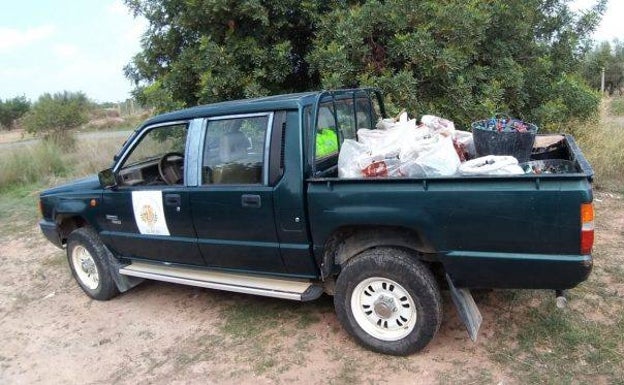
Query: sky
{"points": [[83, 45], [73, 45]]}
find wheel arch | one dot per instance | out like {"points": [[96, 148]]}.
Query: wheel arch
{"points": [[347, 242], [68, 223]]}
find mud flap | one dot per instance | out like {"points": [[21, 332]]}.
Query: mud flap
{"points": [[123, 283], [466, 308]]}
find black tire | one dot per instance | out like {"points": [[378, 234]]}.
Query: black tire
{"points": [[86, 240], [408, 308]]}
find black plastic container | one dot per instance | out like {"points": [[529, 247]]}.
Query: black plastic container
{"points": [[490, 141]]}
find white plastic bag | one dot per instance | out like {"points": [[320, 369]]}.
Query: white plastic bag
{"points": [[390, 123], [378, 139], [385, 143], [351, 154], [491, 165], [440, 125], [439, 160], [356, 160]]}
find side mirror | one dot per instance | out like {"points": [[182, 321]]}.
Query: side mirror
{"points": [[107, 178]]}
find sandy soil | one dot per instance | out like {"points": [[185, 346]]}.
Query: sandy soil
{"points": [[157, 333]]}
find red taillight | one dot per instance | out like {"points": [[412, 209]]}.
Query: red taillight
{"points": [[587, 228]]}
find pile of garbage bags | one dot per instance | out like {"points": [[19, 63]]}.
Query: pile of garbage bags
{"points": [[403, 148]]}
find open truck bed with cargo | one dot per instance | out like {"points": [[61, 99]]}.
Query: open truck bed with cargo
{"points": [[233, 196]]}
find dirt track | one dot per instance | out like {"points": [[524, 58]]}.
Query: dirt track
{"points": [[158, 333]]}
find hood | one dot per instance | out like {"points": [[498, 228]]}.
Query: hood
{"points": [[80, 185]]}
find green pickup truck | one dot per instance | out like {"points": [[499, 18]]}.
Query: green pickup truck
{"points": [[233, 196]]}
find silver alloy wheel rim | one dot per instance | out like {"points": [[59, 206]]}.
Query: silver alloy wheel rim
{"points": [[383, 309], [85, 268]]}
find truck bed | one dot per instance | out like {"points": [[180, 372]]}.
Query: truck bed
{"points": [[520, 231]]}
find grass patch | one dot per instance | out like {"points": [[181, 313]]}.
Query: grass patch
{"points": [[603, 145], [347, 374], [27, 164], [583, 343], [560, 347], [616, 107], [47, 164], [462, 375], [28, 169], [258, 329], [19, 209], [253, 317]]}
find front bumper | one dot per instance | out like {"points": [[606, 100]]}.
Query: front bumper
{"points": [[51, 232]]}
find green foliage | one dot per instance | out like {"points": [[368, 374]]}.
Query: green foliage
{"points": [[11, 110], [463, 59], [52, 116], [210, 50]]}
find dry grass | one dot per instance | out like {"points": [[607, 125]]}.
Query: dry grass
{"points": [[92, 156], [602, 143], [46, 163], [31, 163]]}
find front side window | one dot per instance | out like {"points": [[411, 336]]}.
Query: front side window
{"points": [[234, 150], [157, 159]]}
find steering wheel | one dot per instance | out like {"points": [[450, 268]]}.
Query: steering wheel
{"points": [[169, 169]]}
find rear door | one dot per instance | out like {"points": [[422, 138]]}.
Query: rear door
{"points": [[232, 206]]}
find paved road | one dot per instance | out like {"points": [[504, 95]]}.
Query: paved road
{"points": [[80, 135]]}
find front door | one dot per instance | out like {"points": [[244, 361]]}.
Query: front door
{"points": [[232, 208], [148, 215]]}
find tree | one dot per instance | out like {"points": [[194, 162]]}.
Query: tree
{"points": [[210, 50], [463, 59], [611, 59], [53, 116], [12, 110]]}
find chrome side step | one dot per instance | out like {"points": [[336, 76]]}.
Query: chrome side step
{"points": [[293, 289]]}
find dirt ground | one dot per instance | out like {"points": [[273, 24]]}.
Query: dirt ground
{"points": [[158, 333], [14, 136]]}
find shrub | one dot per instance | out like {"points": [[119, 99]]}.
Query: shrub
{"points": [[53, 116], [12, 110]]}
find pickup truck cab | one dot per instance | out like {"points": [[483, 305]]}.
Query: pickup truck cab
{"points": [[239, 196]]}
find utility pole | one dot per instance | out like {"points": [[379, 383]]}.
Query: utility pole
{"points": [[602, 81]]}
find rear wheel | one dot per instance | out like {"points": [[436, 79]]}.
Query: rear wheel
{"points": [[88, 262], [388, 301]]}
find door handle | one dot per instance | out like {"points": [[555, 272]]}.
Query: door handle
{"points": [[251, 200], [173, 200]]}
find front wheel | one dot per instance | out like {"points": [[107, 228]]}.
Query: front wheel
{"points": [[388, 301], [88, 261]]}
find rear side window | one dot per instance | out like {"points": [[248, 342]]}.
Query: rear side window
{"points": [[234, 150], [339, 120]]}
